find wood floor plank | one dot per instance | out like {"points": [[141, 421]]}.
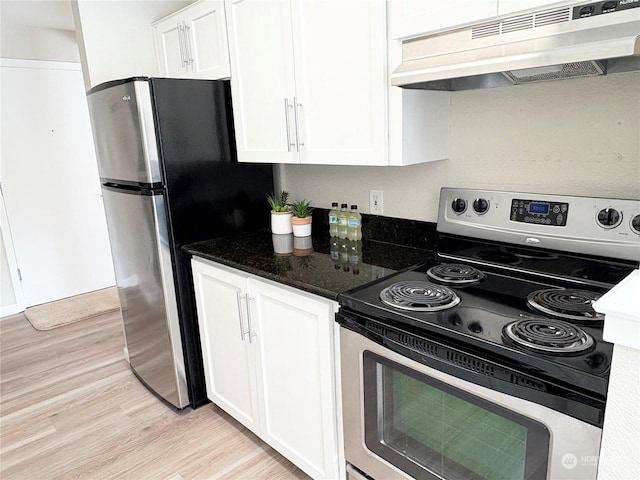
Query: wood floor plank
{"points": [[70, 408]]}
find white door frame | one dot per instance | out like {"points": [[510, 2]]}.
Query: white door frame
{"points": [[16, 283]]}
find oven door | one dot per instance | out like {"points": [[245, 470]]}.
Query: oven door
{"points": [[405, 420]]}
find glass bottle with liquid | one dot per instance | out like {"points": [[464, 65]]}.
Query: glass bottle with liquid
{"points": [[343, 221], [354, 224], [333, 220]]}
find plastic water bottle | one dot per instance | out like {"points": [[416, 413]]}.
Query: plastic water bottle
{"points": [[342, 221], [333, 220], [354, 224]]}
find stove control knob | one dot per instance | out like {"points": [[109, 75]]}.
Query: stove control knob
{"points": [[609, 217], [459, 205], [480, 206], [635, 224]]}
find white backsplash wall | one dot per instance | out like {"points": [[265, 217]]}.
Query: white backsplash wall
{"points": [[573, 137]]}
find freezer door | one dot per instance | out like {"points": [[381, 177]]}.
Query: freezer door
{"points": [[144, 276], [124, 133]]}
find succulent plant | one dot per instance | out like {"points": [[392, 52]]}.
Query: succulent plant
{"points": [[302, 209], [278, 201]]}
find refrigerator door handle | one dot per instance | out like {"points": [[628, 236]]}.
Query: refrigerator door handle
{"points": [[239, 298]]}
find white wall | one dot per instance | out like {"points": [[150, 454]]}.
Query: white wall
{"points": [[39, 44], [575, 137], [38, 30], [115, 37]]}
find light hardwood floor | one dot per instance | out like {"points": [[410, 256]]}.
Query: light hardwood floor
{"points": [[70, 408]]}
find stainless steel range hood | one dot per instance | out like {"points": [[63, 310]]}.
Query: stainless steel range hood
{"points": [[545, 45]]}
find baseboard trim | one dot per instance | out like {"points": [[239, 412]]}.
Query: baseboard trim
{"points": [[9, 310]]}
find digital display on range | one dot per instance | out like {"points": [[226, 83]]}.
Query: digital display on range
{"points": [[551, 213], [538, 208]]}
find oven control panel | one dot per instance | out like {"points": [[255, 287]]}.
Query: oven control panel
{"points": [[543, 213], [594, 226]]}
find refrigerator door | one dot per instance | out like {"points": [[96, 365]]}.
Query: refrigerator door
{"points": [[144, 276], [124, 132]]}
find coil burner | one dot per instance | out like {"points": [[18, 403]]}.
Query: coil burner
{"points": [[419, 296], [455, 273], [568, 304], [549, 336]]}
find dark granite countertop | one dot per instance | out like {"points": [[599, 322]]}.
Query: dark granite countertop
{"points": [[314, 270]]}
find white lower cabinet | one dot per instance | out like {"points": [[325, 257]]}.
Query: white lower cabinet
{"points": [[268, 355]]}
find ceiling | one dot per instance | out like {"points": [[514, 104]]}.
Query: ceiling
{"points": [[37, 13]]}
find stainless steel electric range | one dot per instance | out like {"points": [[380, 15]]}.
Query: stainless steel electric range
{"points": [[488, 362]]}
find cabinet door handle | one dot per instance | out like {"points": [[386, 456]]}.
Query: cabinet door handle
{"points": [[287, 106], [251, 334], [181, 42], [187, 39], [296, 112], [238, 299]]}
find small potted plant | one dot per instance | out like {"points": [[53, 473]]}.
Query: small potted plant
{"points": [[280, 213], [301, 220]]}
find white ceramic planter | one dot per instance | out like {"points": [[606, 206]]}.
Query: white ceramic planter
{"points": [[281, 222], [301, 226]]}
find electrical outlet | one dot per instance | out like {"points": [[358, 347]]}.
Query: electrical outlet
{"points": [[376, 202]]}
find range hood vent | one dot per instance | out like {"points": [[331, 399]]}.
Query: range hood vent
{"points": [[522, 22], [546, 45]]}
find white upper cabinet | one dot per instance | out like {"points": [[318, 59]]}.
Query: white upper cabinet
{"points": [[192, 43], [410, 18], [309, 81], [261, 54], [340, 81]]}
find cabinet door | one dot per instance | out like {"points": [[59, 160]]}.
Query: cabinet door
{"points": [[262, 80], [295, 374], [340, 59], [417, 17], [229, 364], [169, 48], [207, 47]]}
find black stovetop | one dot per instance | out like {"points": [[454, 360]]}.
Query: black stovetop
{"points": [[476, 324]]}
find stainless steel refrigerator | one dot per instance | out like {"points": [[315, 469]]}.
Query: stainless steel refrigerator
{"points": [[170, 176]]}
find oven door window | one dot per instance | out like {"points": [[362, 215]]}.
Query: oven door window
{"points": [[424, 426]]}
